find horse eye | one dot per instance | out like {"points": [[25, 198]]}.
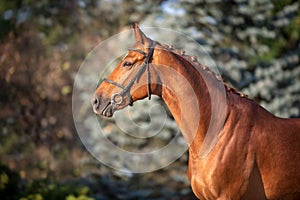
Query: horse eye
{"points": [[127, 64]]}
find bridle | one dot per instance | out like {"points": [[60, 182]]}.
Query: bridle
{"points": [[118, 98]]}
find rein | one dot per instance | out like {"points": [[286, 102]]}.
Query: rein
{"points": [[118, 98]]}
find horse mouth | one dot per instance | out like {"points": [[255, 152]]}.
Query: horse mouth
{"points": [[108, 110]]}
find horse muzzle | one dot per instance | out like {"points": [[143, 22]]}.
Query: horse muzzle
{"points": [[107, 107], [102, 106]]}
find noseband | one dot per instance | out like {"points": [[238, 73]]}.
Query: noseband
{"points": [[118, 98]]}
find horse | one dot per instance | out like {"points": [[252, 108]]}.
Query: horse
{"points": [[256, 154]]}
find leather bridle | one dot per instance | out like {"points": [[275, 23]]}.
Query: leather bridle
{"points": [[118, 98]]}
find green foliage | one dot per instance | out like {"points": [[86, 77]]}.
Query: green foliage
{"points": [[45, 189], [13, 187], [275, 49], [292, 31], [33, 197], [289, 37], [9, 183], [279, 4], [80, 197]]}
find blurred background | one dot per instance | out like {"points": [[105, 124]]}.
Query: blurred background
{"points": [[255, 44]]}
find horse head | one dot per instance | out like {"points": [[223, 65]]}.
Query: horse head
{"points": [[129, 81]]}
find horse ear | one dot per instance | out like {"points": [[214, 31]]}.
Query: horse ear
{"points": [[140, 36]]}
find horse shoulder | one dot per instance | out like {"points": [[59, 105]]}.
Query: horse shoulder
{"points": [[224, 173], [278, 156]]}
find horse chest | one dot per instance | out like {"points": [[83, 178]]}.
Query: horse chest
{"points": [[205, 181], [213, 179]]}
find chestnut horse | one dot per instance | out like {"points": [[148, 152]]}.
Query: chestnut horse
{"points": [[256, 155]]}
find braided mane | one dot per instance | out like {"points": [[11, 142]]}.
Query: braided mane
{"points": [[194, 61]]}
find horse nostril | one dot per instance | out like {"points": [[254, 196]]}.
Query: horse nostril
{"points": [[95, 102]]}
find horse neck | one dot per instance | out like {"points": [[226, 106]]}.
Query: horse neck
{"points": [[187, 92]]}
